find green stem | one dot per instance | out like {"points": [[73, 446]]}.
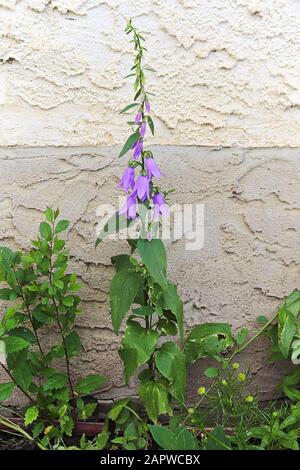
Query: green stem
{"points": [[238, 351], [16, 384]]}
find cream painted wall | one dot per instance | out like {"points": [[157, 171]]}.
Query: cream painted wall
{"points": [[228, 71]]}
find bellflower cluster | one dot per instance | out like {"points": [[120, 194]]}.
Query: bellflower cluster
{"points": [[138, 178]]}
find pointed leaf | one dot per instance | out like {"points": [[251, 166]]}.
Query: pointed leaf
{"points": [[132, 139], [123, 290], [153, 255]]}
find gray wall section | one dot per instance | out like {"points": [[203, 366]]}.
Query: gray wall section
{"points": [[249, 262]]}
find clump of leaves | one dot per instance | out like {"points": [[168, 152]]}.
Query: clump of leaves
{"points": [[43, 304]]}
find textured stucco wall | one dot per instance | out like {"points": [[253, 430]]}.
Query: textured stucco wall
{"points": [[227, 71], [249, 262], [227, 112]]}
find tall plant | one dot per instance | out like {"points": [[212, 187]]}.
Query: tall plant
{"points": [[43, 305], [140, 290]]}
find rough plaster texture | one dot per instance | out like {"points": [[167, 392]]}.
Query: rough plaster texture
{"points": [[249, 262], [228, 79], [227, 71]]}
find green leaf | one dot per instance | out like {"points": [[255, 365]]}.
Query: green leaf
{"points": [[55, 381], [211, 372], [290, 385], [144, 311], [117, 408], [31, 415], [287, 326], [24, 333], [132, 139], [89, 384], [129, 106], [22, 375], [122, 262], [178, 439], [15, 343], [208, 339], [170, 361], [123, 290], [102, 440], [114, 225], [173, 302], [73, 344], [153, 255], [49, 214], [151, 124], [241, 336], [62, 226], [138, 345], [262, 319], [217, 440], [45, 230], [68, 301], [155, 398], [6, 390]]}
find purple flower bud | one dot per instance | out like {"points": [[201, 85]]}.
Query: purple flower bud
{"points": [[147, 106], [138, 149], [127, 179], [138, 117], [130, 207], [160, 206], [149, 236], [142, 188], [152, 168], [143, 129]]}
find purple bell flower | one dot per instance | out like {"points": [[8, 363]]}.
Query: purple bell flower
{"points": [[147, 106], [127, 179], [138, 117], [130, 207], [142, 188], [143, 129], [152, 168], [160, 206], [138, 149]]}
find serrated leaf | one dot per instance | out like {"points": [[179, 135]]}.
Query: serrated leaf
{"points": [[89, 384], [55, 381], [15, 343], [23, 375], [6, 390], [73, 344], [31, 415]]}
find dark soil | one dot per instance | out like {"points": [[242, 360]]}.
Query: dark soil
{"points": [[10, 442]]}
